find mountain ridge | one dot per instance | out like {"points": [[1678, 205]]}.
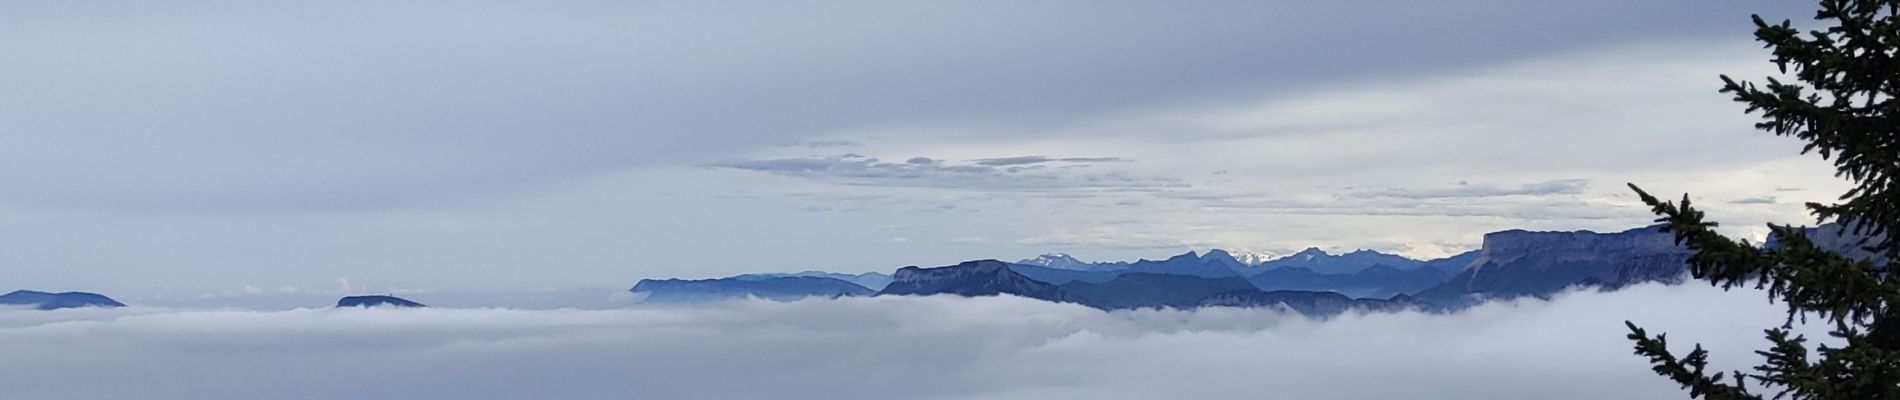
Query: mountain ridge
{"points": [[45, 301], [372, 301], [1507, 264], [1519, 263], [784, 288]]}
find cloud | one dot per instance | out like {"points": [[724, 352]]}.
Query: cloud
{"points": [[1755, 200], [970, 240], [294, 142], [1029, 160], [1105, 237], [1529, 202], [825, 143], [384, 115], [876, 348], [993, 174], [1355, 164], [1469, 190]]}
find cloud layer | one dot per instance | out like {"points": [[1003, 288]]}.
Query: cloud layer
{"points": [[873, 348]]}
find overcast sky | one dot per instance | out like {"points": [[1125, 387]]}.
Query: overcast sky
{"points": [[186, 148]]}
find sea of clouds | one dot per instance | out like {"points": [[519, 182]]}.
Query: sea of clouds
{"points": [[1571, 347]]}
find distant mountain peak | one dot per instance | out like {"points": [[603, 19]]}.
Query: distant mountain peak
{"points": [[1218, 255], [1184, 256], [53, 301], [1255, 257], [1215, 263], [376, 301], [1320, 261], [1309, 253], [1052, 260], [1064, 261]]}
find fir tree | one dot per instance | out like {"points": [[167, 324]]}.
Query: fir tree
{"points": [[1843, 107]]}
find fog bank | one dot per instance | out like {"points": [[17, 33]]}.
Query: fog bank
{"points": [[875, 348]]}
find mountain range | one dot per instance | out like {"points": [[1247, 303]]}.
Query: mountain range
{"points": [[55, 301], [1509, 264], [1319, 261], [662, 291]]}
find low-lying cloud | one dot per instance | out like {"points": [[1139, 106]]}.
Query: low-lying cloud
{"points": [[875, 348]]}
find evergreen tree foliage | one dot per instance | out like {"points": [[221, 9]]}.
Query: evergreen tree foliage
{"points": [[1844, 108]]}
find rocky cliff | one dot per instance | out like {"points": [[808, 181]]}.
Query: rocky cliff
{"points": [[1518, 263], [970, 278]]}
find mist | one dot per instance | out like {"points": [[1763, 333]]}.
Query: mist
{"points": [[1570, 347]]}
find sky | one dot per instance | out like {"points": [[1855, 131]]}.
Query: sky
{"points": [[1571, 347], [192, 150]]}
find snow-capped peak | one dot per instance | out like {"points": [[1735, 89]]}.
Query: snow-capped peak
{"points": [[1253, 257], [1052, 260]]}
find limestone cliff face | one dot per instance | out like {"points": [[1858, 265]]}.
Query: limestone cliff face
{"points": [[970, 278], [1834, 237], [1506, 247], [1519, 263]]}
